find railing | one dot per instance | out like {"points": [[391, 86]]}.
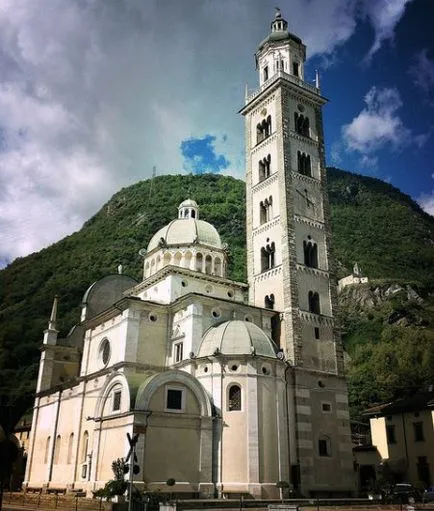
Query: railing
{"points": [[281, 74]]}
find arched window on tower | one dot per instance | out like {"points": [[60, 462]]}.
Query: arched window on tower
{"points": [[310, 253], [263, 130], [269, 206], [303, 164], [266, 210], [267, 256], [269, 301], [306, 127], [264, 168], [262, 213], [265, 73], [301, 124], [234, 398], [314, 305]]}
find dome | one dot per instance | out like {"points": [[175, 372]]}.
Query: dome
{"points": [[186, 230], [236, 338], [189, 203], [279, 32]]}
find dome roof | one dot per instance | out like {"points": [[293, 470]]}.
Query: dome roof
{"points": [[189, 203], [187, 231], [236, 338]]}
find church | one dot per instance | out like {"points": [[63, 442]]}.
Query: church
{"points": [[231, 387]]}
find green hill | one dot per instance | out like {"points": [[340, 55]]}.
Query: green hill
{"points": [[373, 224]]}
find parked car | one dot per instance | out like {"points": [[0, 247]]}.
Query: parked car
{"points": [[403, 492], [428, 494]]}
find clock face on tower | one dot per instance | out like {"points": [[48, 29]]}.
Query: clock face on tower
{"points": [[307, 202]]}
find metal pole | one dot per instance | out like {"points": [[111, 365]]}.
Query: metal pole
{"points": [[132, 458]]}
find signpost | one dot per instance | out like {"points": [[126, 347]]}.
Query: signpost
{"points": [[132, 466]]}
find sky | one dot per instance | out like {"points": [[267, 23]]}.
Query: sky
{"points": [[95, 93]]}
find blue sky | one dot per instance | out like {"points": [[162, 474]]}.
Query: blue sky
{"points": [[94, 93]]}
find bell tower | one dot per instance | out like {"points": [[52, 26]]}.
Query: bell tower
{"points": [[288, 229], [288, 251]]}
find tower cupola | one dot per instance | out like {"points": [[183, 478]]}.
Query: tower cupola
{"points": [[280, 54], [278, 24], [188, 209]]}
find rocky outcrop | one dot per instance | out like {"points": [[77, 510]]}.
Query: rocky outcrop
{"points": [[368, 296]]}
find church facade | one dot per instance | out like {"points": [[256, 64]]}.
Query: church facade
{"points": [[230, 387]]}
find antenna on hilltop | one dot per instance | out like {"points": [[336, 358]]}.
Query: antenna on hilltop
{"points": [[154, 174]]}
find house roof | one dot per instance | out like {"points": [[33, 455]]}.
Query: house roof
{"points": [[419, 401]]}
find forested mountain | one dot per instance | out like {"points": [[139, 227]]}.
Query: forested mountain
{"points": [[373, 223]]}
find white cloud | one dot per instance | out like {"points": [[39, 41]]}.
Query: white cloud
{"points": [[384, 15], [426, 202], [93, 94], [378, 124]]}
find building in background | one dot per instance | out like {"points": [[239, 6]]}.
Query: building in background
{"points": [[403, 433]]}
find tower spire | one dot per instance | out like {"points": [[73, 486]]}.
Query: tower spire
{"points": [[50, 334], [53, 315]]}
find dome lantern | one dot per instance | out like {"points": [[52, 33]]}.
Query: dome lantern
{"points": [[188, 209]]}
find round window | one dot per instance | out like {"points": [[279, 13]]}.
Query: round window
{"points": [[105, 351]]}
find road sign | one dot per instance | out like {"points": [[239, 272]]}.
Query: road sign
{"points": [[132, 441]]}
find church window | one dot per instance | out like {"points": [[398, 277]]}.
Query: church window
{"points": [[57, 450], [70, 446], [324, 446], [295, 68], [326, 407], [310, 253], [199, 261], [265, 73], [301, 124], [269, 301], [262, 213], [263, 130], [316, 332], [314, 305], [418, 432], [267, 256], [174, 399], [304, 164], [84, 447], [265, 168], [208, 264], [234, 398], [105, 351], [193, 213], [117, 400], [177, 351], [47, 449]]}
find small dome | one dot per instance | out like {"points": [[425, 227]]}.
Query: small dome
{"points": [[236, 338], [189, 203], [186, 231]]}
